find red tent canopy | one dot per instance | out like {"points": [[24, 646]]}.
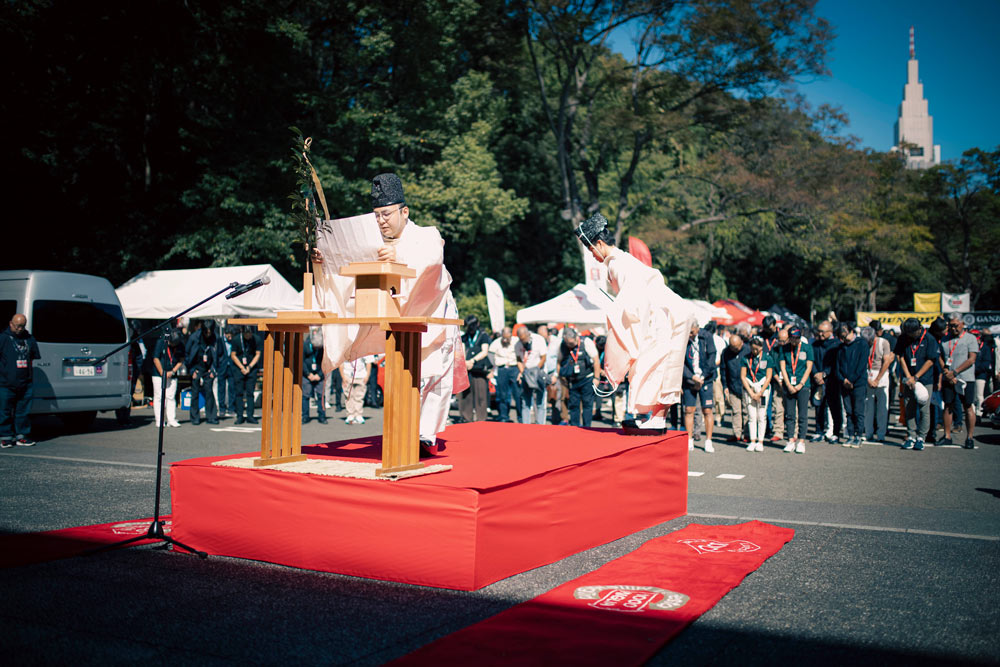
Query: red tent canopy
{"points": [[737, 313]]}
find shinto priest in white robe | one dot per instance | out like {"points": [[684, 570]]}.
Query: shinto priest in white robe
{"points": [[648, 327], [428, 294]]}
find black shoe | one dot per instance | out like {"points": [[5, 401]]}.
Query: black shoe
{"points": [[239, 420], [943, 442], [306, 420], [251, 420], [322, 420], [28, 442], [194, 423], [212, 422], [908, 444], [969, 444], [6, 444], [428, 448]]}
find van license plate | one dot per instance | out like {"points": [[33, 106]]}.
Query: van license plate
{"points": [[83, 371]]}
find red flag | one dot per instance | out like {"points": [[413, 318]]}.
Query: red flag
{"points": [[640, 251]]}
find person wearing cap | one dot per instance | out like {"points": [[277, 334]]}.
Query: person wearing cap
{"points": [[853, 373], [426, 295], [756, 371], [795, 362], [647, 327], [917, 351]]}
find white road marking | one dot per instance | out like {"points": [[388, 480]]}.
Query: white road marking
{"points": [[695, 474], [66, 458], [729, 476], [237, 429], [883, 529]]}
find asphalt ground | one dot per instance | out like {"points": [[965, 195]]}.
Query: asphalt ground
{"points": [[895, 560]]}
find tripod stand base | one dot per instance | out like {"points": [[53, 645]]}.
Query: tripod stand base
{"points": [[155, 532]]}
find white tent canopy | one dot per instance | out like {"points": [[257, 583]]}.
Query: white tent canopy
{"points": [[580, 305], [158, 295], [584, 305]]}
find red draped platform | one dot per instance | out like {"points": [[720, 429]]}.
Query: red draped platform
{"points": [[519, 496]]}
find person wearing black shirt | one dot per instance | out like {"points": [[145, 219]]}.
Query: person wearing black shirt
{"points": [[732, 383], [577, 367], [827, 384], [312, 377], [917, 352], [473, 401], [202, 358], [168, 359], [18, 349], [246, 357], [852, 369]]}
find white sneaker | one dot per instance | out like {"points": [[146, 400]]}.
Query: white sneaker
{"points": [[174, 424], [690, 445], [359, 420], [760, 446], [790, 447], [708, 447], [800, 448], [752, 447]]}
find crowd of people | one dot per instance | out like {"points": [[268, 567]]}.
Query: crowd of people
{"points": [[765, 381]]}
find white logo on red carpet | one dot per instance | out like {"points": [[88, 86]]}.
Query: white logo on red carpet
{"points": [[631, 598], [705, 546], [136, 528]]}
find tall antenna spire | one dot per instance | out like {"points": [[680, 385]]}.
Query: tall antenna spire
{"points": [[913, 50]]}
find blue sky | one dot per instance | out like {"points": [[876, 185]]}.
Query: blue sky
{"points": [[957, 46]]}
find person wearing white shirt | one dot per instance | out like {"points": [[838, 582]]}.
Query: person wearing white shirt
{"points": [[504, 359], [532, 351]]}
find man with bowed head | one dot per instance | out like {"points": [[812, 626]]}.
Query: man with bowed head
{"points": [[648, 325], [426, 295], [18, 350]]}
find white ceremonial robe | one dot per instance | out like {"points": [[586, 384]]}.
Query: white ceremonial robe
{"points": [[648, 327], [426, 295]]}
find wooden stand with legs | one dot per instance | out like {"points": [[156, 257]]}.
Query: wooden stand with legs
{"points": [[377, 285]]}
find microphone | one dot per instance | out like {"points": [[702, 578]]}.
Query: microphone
{"points": [[243, 289]]}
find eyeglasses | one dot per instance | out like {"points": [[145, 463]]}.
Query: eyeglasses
{"points": [[385, 215]]}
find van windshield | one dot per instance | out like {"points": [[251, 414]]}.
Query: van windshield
{"points": [[77, 322]]}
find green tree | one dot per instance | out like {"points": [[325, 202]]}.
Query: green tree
{"points": [[963, 209]]}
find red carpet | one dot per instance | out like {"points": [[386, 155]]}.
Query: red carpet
{"points": [[621, 613], [519, 496], [27, 548]]}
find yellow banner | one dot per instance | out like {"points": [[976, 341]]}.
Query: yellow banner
{"points": [[927, 302], [895, 319]]}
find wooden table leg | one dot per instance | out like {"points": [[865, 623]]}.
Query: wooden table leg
{"points": [[401, 417]]}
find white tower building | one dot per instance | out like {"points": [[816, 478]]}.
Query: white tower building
{"points": [[915, 126]]}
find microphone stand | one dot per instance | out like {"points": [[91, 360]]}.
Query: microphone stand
{"points": [[155, 531]]}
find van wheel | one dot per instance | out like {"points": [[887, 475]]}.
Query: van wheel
{"points": [[78, 421]]}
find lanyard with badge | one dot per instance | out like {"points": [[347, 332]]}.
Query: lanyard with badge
{"points": [[22, 352], [951, 350], [871, 355], [795, 360], [754, 367], [914, 348], [575, 354]]}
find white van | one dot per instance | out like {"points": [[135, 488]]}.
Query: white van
{"points": [[74, 317]]}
